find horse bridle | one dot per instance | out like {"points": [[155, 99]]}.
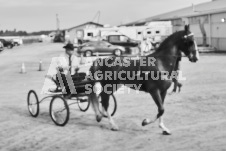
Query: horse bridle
{"points": [[176, 56], [186, 36]]}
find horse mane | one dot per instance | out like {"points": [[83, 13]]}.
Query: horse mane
{"points": [[173, 37]]}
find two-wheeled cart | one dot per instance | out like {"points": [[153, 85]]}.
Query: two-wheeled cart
{"points": [[59, 105]]}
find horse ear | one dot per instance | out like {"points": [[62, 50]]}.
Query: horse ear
{"points": [[187, 28]]}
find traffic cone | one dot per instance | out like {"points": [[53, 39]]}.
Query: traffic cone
{"points": [[40, 65], [23, 69]]}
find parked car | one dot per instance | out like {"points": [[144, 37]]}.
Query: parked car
{"points": [[122, 40], [8, 44], [15, 43], [101, 47]]}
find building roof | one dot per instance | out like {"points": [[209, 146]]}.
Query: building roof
{"points": [[212, 7], [86, 24]]}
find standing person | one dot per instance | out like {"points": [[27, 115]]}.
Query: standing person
{"points": [[154, 43], [145, 46]]}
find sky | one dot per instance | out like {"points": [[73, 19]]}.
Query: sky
{"points": [[36, 15]]}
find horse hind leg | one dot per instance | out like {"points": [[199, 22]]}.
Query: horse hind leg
{"points": [[159, 100], [165, 130], [95, 104], [105, 104]]}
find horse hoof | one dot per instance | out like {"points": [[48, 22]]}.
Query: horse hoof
{"points": [[98, 118], [145, 122], [166, 133], [115, 128]]}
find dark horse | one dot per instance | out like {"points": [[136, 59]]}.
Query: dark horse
{"points": [[165, 59]]}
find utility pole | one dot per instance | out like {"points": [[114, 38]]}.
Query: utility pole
{"points": [[57, 24], [59, 37], [97, 16]]}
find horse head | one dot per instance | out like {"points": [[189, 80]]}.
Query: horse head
{"points": [[188, 45]]}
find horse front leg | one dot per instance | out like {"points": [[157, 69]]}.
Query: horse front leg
{"points": [[176, 84], [105, 104]]}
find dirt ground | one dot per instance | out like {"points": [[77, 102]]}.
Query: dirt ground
{"points": [[196, 116]]}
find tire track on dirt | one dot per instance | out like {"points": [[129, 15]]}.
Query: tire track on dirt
{"points": [[20, 137], [207, 123], [42, 133]]}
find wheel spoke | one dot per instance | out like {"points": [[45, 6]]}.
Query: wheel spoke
{"points": [[59, 111]]}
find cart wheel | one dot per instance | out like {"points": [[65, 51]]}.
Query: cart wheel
{"points": [[59, 111], [33, 103], [112, 105], [83, 104]]}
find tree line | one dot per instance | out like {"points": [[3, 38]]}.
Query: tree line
{"points": [[23, 33]]}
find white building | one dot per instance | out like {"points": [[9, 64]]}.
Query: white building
{"points": [[75, 33], [212, 15]]}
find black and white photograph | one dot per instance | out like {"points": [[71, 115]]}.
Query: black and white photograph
{"points": [[112, 75]]}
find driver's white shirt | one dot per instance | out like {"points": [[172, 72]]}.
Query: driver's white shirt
{"points": [[63, 61]]}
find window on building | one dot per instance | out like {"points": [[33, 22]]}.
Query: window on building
{"points": [[157, 32], [149, 32], [90, 34]]}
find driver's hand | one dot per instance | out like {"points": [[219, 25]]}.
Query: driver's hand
{"points": [[61, 69]]}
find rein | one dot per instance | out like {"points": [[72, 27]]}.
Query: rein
{"points": [[174, 64]]}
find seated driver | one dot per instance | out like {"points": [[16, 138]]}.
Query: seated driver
{"points": [[67, 66]]}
